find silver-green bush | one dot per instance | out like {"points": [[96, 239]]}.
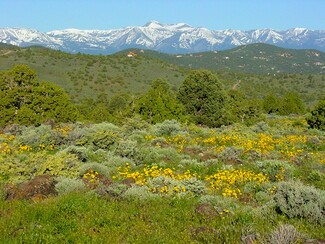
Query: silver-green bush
{"points": [[167, 128], [67, 185], [285, 234], [297, 200]]}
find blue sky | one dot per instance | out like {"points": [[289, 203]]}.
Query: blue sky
{"points": [[47, 15]]}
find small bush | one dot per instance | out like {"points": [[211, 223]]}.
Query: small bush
{"points": [[82, 153], [114, 161], [34, 136], [139, 193], [260, 127], [138, 136], [276, 170], [189, 162], [103, 136], [113, 190], [67, 185], [220, 202], [153, 155], [297, 200], [59, 164], [194, 186], [135, 123], [285, 234], [100, 168], [232, 155], [167, 128], [263, 197], [126, 148]]}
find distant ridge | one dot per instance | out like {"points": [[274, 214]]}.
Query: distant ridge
{"points": [[177, 38], [256, 58]]}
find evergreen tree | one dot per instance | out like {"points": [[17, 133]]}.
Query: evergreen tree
{"points": [[291, 103], [159, 103], [271, 104], [26, 101], [317, 118], [244, 110], [204, 99]]}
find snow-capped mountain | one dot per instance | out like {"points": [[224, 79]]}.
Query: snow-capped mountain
{"points": [[169, 38], [27, 37]]}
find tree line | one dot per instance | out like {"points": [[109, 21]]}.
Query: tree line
{"points": [[200, 99]]}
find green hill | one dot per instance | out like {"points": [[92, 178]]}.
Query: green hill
{"points": [[253, 58], [89, 75]]}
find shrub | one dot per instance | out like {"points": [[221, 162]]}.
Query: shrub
{"points": [[114, 161], [194, 186], [67, 185], [77, 132], [232, 154], [220, 202], [59, 164], [103, 135], [297, 200], [189, 162], [167, 128], [285, 234], [34, 136], [138, 136], [126, 148], [135, 123], [276, 170], [82, 153], [113, 190], [153, 155], [100, 168], [139, 193]]}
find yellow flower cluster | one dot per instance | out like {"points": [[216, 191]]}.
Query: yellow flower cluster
{"points": [[168, 190], [288, 146], [150, 137], [91, 176], [280, 175], [25, 148], [5, 148], [8, 137], [227, 182], [141, 177], [64, 129]]}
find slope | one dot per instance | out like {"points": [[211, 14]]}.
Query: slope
{"points": [[253, 58], [85, 76], [89, 75]]}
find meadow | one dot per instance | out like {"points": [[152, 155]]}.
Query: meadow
{"points": [[163, 183]]}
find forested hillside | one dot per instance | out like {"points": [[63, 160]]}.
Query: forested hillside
{"points": [[87, 76]]}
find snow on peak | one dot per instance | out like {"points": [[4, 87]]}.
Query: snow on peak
{"points": [[153, 24], [179, 37], [298, 31]]}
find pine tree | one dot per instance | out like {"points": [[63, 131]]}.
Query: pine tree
{"points": [[317, 118], [204, 99], [26, 101], [159, 103]]}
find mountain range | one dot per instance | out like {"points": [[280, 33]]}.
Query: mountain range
{"points": [[177, 38]]}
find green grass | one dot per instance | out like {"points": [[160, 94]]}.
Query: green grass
{"points": [[79, 218]]}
